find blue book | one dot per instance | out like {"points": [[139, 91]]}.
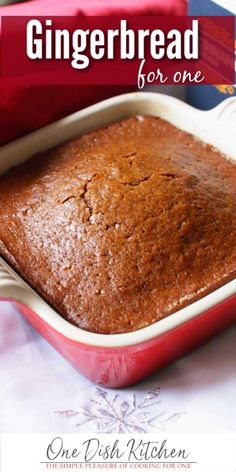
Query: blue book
{"points": [[208, 96]]}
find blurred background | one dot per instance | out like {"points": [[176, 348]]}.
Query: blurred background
{"points": [[26, 108], [23, 109]]}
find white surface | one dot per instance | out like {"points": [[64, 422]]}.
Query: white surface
{"points": [[216, 127], [196, 394]]}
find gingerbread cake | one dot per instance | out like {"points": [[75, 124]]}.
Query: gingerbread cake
{"points": [[122, 226]]}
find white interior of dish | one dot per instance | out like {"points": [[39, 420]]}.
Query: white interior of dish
{"points": [[216, 127]]}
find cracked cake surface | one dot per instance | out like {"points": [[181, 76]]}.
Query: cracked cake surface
{"points": [[122, 226]]}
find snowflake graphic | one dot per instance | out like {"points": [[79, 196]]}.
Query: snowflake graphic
{"points": [[109, 413]]}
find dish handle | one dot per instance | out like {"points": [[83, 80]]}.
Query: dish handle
{"points": [[11, 289], [225, 112]]}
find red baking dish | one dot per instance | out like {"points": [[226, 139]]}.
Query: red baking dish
{"points": [[118, 360]]}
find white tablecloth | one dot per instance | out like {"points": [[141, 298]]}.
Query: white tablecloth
{"points": [[41, 392]]}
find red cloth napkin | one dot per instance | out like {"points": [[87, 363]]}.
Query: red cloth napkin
{"points": [[96, 7], [23, 109]]}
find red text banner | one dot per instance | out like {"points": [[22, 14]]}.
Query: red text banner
{"points": [[132, 50]]}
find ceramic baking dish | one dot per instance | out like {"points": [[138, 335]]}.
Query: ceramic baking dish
{"points": [[121, 359]]}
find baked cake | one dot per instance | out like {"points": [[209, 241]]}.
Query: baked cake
{"points": [[122, 226]]}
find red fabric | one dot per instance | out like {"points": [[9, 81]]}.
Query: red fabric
{"points": [[96, 7], [23, 109]]}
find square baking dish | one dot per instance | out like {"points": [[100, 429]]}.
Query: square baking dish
{"points": [[117, 360]]}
